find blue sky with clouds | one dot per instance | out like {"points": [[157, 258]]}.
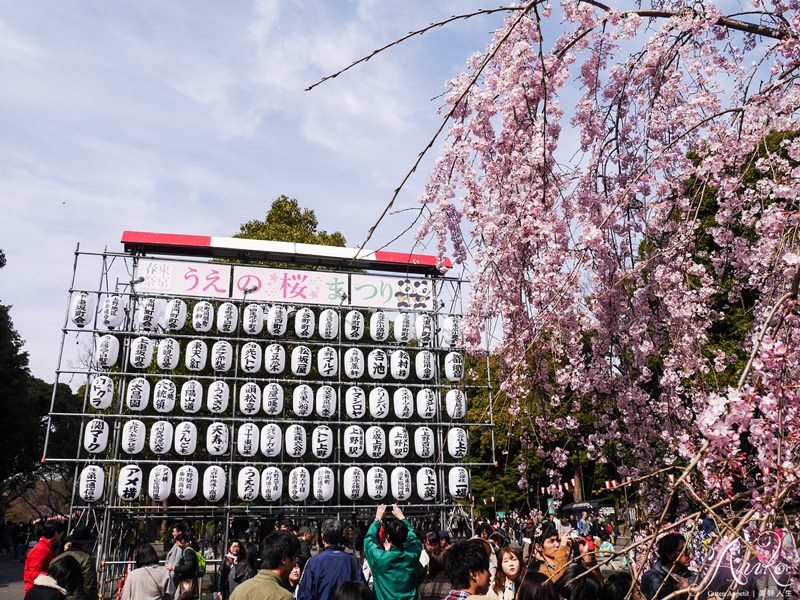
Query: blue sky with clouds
{"points": [[190, 117]]}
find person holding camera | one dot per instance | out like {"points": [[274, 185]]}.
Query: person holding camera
{"points": [[393, 549]]}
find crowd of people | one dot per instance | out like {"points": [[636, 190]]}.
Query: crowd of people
{"points": [[393, 558]]}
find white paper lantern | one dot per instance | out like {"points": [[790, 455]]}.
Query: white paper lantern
{"points": [[454, 366], [353, 441], [379, 326], [217, 438], [107, 351], [295, 441], [325, 401], [424, 442], [129, 482], [299, 484], [378, 403], [161, 437], [451, 331], [353, 363], [458, 481], [164, 395], [95, 436], [249, 398], [221, 356], [427, 485], [214, 483], [253, 319], [377, 483], [137, 396], [191, 396], [355, 402], [456, 404], [271, 440], [303, 400], [159, 485], [91, 483], [424, 329], [187, 483], [354, 325], [322, 442], [248, 484], [404, 327], [175, 315], [398, 442], [327, 361], [219, 395], [113, 312], [403, 403], [101, 392], [375, 442], [400, 364], [274, 359], [134, 433], [273, 399], [401, 484], [304, 323], [271, 484], [169, 354], [424, 365], [202, 316], [328, 324], [323, 484], [353, 483], [141, 353], [457, 442], [277, 320], [81, 309], [185, 438], [196, 355], [250, 357], [427, 402], [301, 361], [247, 439], [377, 364], [227, 317], [148, 314]]}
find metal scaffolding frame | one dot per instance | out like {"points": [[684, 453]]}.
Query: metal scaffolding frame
{"points": [[120, 523]]}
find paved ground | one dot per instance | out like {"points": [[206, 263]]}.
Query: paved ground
{"points": [[10, 578]]}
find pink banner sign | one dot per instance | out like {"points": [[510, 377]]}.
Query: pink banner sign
{"points": [[184, 279], [288, 285]]}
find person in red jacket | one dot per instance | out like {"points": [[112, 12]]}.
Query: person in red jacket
{"points": [[39, 557]]}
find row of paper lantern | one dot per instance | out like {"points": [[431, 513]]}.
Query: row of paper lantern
{"points": [[268, 484], [270, 398], [272, 359], [271, 440], [151, 312]]}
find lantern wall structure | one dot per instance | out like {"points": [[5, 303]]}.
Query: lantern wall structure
{"points": [[218, 389]]}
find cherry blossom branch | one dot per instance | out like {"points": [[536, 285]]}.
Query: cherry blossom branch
{"points": [[727, 22]]}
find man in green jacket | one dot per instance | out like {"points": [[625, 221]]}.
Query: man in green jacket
{"points": [[393, 560]]}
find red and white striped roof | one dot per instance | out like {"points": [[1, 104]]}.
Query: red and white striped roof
{"points": [[285, 252]]}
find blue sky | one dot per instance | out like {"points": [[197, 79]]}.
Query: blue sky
{"points": [[190, 117]]}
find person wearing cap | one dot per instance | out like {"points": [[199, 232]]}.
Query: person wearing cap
{"points": [[81, 543]]}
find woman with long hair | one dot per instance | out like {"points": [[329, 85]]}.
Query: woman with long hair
{"points": [[246, 567], [149, 580], [510, 570]]}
